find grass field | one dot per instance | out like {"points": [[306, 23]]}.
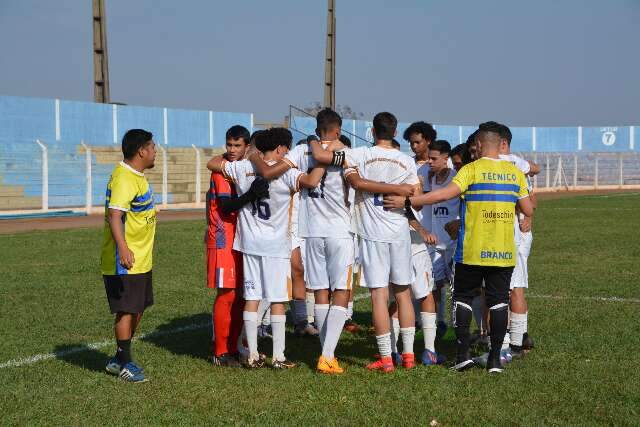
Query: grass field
{"points": [[584, 370]]}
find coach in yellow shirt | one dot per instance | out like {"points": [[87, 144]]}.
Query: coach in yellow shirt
{"points": [[127, 249], [490, 189]]}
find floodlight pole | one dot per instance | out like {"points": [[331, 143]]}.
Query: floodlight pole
{"points": [[330, 57], [101, 91]]}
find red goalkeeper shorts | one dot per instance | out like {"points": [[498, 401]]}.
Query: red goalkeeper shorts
{"points": [[224, 268]]}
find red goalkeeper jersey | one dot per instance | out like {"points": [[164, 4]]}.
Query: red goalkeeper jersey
{"points": [[221, 228]]}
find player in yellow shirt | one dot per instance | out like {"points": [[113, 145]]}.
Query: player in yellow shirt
{"points": [[127, 248], [490, 189]]}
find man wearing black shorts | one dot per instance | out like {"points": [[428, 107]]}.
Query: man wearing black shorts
{"points": [[129, 231]]}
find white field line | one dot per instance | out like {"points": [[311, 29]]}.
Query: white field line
{"points": [[15, 363]]}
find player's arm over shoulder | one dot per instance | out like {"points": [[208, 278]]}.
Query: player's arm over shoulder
{"points": [[524, 202]]}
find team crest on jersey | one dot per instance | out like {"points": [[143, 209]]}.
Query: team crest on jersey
{"points": [[250, 284]]}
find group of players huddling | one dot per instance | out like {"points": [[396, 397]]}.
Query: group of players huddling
{"points": [[334, 212], [318, 219]]}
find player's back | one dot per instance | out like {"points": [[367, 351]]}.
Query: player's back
{"points": [[263, 225], [389, 166]]}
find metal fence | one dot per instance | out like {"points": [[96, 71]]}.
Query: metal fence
{"points": [[40, 176]]}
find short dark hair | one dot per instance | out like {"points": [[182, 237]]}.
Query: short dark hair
{"points": [[395, 143], [458, 150], [255, 135], [238, 132], [441, 145], [272, 138], [301, 141], [425, 129], [134, 140], [345, 140], [327, 119], [505, 133], [385, 125]]}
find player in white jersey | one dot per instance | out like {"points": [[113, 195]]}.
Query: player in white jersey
{"points": [[385, 238], [263, 238], [517, 338]]}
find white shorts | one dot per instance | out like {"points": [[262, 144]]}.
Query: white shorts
{"points": [[520, 276], [423, 283], [328, 263], [384, 263], [442, 263], [266, 278]]}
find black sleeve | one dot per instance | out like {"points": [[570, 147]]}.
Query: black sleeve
{"points": [[228, 204]]}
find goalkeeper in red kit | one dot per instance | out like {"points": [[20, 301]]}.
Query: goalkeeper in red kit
{"points": [[224, 265]]}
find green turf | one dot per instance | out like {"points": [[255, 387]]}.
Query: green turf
{"points": [[583, 371]]}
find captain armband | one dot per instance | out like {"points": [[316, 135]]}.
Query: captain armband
{"points": [[338, 158]]}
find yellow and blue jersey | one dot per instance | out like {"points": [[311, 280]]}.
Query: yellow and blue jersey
{"points": [[129, 191], [490, 190]]}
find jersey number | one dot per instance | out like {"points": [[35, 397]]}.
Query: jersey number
{"points": [[377, 200], [261, 208]]}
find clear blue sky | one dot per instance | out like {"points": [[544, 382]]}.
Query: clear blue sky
{"points": [[543, 62]]}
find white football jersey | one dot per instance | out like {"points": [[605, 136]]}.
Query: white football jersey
{"points": [[423, 176], [263, 225], [382, 165], [444, 212], [324, 211], [525, 168]]}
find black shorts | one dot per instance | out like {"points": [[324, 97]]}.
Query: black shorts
{"points": [[129, 293], [468, 279]]}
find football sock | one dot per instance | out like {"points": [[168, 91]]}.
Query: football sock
{"points": [[235, 329], [517, 328], [278, 322], [476, 306], [408, 335], [395, 333], [299, 311], [334, 324], [498, 321], [384, 344], [310, 301], [251, 329], [350, 310], [222, 320], [123, 352], [428, 321], [320, 314], [462, 321]]}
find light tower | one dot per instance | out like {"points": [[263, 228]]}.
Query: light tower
{"points": [[330, 58], [100, 55]]}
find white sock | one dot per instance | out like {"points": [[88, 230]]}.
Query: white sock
{"points": [[335, 322], [277, 330], [320, 313], [395, 332], [251, 329], [299, 311], [384, 344], [507, 338], [429, 330], [310, 301], [408, 335], [264, 310], [476, 306], [350, 310], [442, 305], [526, 322], [518, 327]]}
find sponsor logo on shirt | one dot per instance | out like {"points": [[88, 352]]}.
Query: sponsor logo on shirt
{"points": [[484, 254], [494, 176]]}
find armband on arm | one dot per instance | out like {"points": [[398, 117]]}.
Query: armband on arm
{"points": [[338, 158]]}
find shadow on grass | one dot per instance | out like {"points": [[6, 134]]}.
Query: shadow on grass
{"points": [[184, 336], [82, 356]]}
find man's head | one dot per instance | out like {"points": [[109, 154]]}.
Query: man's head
{"points": [[419, 135], [488, 138], [138, 147], [438, 155], [237, 141], [472, 147], [384, 126], [328, 124], [458, 156], [274, 143], [506, 137]]}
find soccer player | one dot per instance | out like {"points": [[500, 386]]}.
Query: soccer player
{"points": [[457, 156], [127, 248], [491, 188], [263, 238], [224, 264], [523, 238], [385, 239]]}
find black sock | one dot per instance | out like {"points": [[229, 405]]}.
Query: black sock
{"points": [[463, 315], [123, 352], [498, 324]]}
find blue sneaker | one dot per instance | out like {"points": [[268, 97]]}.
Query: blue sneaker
{"points": [[132, 373], [113, 367], [505, 356], [432, 358]]}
